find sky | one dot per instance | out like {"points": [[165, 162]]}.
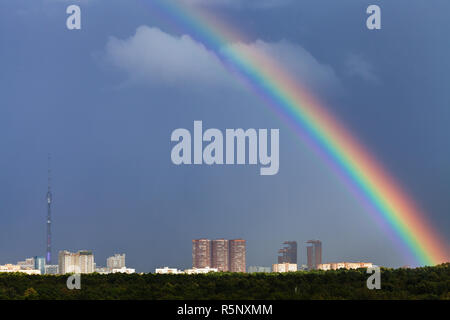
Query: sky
{"points": [[105, 99]]}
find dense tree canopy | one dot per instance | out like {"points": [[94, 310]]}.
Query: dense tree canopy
{"points": [[419, 283]]}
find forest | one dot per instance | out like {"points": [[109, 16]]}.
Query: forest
{"points": [[405, 284]]}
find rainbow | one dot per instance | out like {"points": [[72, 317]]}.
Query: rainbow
{"points": [[318, 126]]}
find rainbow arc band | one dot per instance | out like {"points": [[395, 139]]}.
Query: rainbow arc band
{"points": [[308, 118]]}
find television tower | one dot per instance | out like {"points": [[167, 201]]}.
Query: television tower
{"points": [[48, 256]]}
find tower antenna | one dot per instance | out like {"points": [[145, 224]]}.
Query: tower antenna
{"points": [[48, 256]]}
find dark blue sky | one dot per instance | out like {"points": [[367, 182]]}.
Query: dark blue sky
{"points": [[104, 100]]}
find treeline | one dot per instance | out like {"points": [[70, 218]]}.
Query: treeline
{"points": [[419, 283]]}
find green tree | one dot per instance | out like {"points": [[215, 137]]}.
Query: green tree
{"points": [[30, 294]]}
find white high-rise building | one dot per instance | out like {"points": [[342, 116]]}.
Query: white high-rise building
{"points": [[67, 262], [116, 262], [80, 262], [86, 262]]}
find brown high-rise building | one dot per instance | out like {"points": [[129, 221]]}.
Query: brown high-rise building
{"points": [[220, 254], [237, 255], [288, 252], [314, 254], [224, 255], [201, 253]]}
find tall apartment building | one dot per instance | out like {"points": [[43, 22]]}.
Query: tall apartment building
{"points": [[39, 264], [66, 262], [116, 262], [314, 254], [80, 262], [220, 255], [201, 253], [86, 262], [288, 254], [237, 255], [223, 255]]}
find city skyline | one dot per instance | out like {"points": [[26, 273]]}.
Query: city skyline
{"points": [[218, 255], [206, 253]]}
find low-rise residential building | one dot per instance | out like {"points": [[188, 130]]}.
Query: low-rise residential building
{"points": [[123, 270], [51, 269], [17, 268], [102, 270], [167, 270], [200, 270], [344, 265], [253, 269], [27, 264], [284, 267]]}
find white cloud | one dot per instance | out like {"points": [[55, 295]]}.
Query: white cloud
{"points": [[153, 57], [357, 66]]}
